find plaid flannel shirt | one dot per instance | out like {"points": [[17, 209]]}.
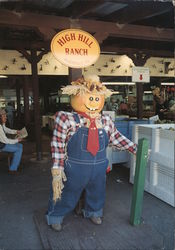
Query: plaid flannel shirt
{"points": [[65, 126]]}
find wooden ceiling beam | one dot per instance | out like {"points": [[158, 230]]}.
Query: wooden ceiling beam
{"points": [[81, 10], [140, 10], [17, 45], [60, 23], [121, 51]]}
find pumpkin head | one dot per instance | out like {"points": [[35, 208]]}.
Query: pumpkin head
{"points": [[88, 102], [87, 94]]}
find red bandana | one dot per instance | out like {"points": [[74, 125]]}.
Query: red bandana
{"points": [[93, 139]]}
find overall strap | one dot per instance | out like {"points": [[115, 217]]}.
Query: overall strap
{"points": [[102, 120], [76, 117]]}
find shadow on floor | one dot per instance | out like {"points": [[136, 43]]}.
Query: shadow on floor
{"points": [[25, 197], [116, 231]]}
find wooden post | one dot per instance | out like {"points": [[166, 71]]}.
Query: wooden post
{"points": [[36, 104], [18, 97], [46, 99], [139, 88], [74, 74], [26, 101], [139, 182], [139, 59], [34, 59]]}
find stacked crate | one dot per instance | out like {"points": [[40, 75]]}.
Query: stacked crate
{"points": [[160, 172]]}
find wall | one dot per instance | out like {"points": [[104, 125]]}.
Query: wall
{"points": [[13, 63], [114, 65]]}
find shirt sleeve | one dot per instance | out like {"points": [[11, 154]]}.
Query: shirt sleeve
{"points": [[117, 139], [9, 131], [4, 139], [59, 139]]}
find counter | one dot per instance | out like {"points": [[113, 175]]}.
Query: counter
{"points": [[124, 126]]}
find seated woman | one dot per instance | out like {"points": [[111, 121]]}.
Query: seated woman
{"points": [[10, 145]]}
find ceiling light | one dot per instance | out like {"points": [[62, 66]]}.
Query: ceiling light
{"points": [[168, 83], [147, 92], [2, 76], [118, 83]]}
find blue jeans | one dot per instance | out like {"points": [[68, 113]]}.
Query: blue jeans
{"points": [[16, 149], [88, 177]]}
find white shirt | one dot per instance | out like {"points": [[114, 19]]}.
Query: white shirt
{"points": [[3, 138]]}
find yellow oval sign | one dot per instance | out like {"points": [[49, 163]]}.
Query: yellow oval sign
{"points": [[75, 48]]}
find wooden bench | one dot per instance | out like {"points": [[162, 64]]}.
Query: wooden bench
{"points": [[6, 155]]}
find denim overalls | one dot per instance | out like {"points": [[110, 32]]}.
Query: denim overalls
{"points": [[84, 172]]}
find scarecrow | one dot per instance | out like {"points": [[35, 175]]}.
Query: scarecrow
{"points": [[78, 150]]}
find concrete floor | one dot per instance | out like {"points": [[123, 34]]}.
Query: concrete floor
{"points": [[21, 195]]}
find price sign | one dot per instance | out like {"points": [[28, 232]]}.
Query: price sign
{"points": [[140, 74]]}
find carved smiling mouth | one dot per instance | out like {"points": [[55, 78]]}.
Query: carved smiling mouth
{"points": [[91, 109]]}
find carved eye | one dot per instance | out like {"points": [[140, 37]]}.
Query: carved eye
{"points": [[91, 98], [97, 99]]}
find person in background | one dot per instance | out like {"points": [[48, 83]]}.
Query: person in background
{"points": [[113, 104], [10, 114], [171, 104], [159, 100], [10, 145], [22, 108], [123, 109]]}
